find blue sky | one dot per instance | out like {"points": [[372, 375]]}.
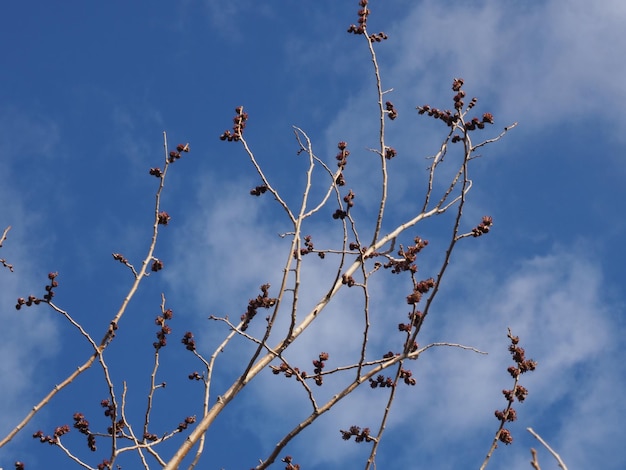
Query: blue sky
{"points": [[86, 92]]}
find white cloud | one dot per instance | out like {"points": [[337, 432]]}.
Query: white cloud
{"points": [[546, 62]]}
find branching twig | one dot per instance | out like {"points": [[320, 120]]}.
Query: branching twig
{"points": [[556, 456]]}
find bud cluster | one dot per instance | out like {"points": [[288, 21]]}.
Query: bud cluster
{"points": [[46, 298], [308, 247], [362, 24], [445, 116], [414, 319], [407, 263], [420, 289], [119, 257], [262, 301], [288, 371], [483, 227], [288, 459], [518, 392], [391, 111], [319, 365], [451, 118], [258, 190], [349, 199], [239, 124], [175, 154], [105, 465], [54, 439], [360, 435], [347, 280], [164, 329], [195, 376], [390, 152], [407, 376], [163, 218], [82, 425], [381, 382], [157, 265], [342, 158], [189, 342], [185, 424]]}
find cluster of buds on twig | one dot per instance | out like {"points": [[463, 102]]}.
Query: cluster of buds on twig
{"points": [[284, 368], [176, 154], [164, 329], [477, 123], [189, 342], [239, 124], [82, 425], [340, 214], [46, 298], [119, 257], [381, 382], [414, 318], [196, 375], [420, 289], [117, 428], [156, 172], [185, 424], [451, 118], [308, 247], [445, 116], [157, 265], [347, 280], [457, 83], [407, 263], [360, 435], [54, 439], [290, 466], [390, 152], [522, 364], [104, 465], [391, 111], [342, 161], [319, 365], [150, 437], [518, 392], [258, 190], [483, 227], [362, 22], [109, 408], [407, 377], [163, 218], [378, 37], [349, 199], [262, 301]]}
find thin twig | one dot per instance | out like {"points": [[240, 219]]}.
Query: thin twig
{"points": [[556, 456]]}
